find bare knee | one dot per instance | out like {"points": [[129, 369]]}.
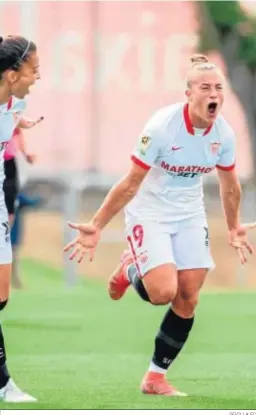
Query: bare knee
{"points": [[11, 219], [189, 285], [191, 303], [162, 296], [5, 277], [185, 304], [161, 284]]}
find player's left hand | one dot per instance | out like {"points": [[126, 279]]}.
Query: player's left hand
{"points": [[238, 240], [32, 123], [85, 242]]}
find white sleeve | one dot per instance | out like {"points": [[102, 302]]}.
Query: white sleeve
{"points": [[227, 157], [147, 149], [18, 106]]}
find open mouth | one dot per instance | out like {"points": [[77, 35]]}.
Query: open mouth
{"points": [[212, 107]]}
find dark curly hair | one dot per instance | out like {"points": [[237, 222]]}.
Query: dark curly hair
{"points": [[14, 51]]}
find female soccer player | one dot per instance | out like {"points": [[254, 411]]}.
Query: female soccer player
{"points": [[11, 182], [166, 224], [19, 70]]}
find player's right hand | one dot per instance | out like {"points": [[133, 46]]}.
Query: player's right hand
{"points": [[85, 242]]}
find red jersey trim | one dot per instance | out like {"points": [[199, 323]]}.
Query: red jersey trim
{"points": [[9, 104], [189, 125], [226, 168], [140, 163]]}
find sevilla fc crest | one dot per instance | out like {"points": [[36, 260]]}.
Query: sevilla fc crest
{"points": [[215, 147]]}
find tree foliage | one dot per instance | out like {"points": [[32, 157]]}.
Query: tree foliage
{"points": [[225, 26], [228, 17]]}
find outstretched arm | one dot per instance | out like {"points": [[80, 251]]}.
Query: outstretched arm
{"points": [[143, 158], [119, 196], [26, 123]]}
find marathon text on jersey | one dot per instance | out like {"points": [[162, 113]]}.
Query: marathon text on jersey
{"points": [[186, 171]]}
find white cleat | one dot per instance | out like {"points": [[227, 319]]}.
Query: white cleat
{"points": [[10, 393]]}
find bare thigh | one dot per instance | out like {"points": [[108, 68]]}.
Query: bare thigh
{"points": [[5, 255], [161, 284], [5, 280], [11, 218], [151, 247]]}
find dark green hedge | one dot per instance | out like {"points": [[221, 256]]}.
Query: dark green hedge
{"points": [[228, 17]]}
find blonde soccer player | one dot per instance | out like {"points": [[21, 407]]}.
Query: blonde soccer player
{"points": [[166, 224]]}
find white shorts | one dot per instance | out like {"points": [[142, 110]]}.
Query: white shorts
{"points": [[152, 245], [5, 238]]}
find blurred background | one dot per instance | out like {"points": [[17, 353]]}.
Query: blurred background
{"points": [[105, 68]]}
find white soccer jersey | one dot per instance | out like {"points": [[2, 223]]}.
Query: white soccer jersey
{"points": [[10, 114], [177, 156]]}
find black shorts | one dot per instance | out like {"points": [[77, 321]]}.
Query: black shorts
{"points": [[10, 186]]}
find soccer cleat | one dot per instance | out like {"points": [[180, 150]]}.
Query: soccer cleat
{"points": [[156, 384], [118, 282], [10, 393]]}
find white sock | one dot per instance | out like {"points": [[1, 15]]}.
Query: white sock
{"points": [[156, 369]]}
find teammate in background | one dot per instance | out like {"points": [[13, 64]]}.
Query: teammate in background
{"points": [[14, 204], [166, 223], [19, 70], [24, 202], [11, 182]]}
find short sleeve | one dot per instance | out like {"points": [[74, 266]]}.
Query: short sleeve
{"points": [[18, 106], [227, 157], [147, 148]]}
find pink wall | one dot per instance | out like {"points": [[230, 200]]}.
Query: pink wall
{"points": [[105, 68]]}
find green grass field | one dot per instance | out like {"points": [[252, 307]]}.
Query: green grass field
{"points": [[76, 349]]}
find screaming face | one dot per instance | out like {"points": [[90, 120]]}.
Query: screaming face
{"points": [[20, 81], [205, 96]]}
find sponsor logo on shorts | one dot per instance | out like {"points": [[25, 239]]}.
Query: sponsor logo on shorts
{"points": [[143, 257], [206, 237], [6, 227]]}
